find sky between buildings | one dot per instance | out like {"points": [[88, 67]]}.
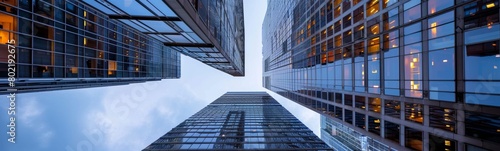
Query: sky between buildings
{"points": [[130, 117]]}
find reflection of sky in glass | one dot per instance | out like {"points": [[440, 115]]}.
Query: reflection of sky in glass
{"points": [[183, 26], [161, 6], [134, 25], [159, 37], [159, 26], [99, 6], [195, 37], [178, 38], [131, 7]]}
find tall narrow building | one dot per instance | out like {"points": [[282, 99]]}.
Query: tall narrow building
{"points": [[68, 44], [240, 121], [409, 74]]}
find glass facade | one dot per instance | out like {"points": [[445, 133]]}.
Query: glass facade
{"points": [[211, 31], [414, 65], [343, 138], [240, 121], [64, 44], [69, 44]]}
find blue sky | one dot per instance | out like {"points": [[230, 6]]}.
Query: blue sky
{"points": [[130, 117]]}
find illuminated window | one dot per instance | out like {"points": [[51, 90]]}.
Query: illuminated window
{"points": [[437, 5], [442, 118], [374, 125], [373, 27], [391, 40], [374, 45], [359, 32], [374, 104], [439, 143], [372, 7], [387, 3], [391, 19], [338, 41], [414, 112]]}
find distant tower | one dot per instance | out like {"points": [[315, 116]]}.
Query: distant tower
{"points": [[239, 121]]}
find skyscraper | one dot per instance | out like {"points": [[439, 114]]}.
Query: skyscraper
{"points": [[240, 120], [410, 74], [67, 44]]}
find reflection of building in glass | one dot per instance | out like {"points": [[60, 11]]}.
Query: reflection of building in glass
{"points": [[240, 120], [427, 68], [74, 44]]}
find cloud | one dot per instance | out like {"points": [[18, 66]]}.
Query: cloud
{"points": [[29, 115], [133, 116]]}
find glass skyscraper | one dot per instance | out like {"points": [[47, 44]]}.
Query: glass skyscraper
{"points": [[410, 74], [67, 44], [240, 121]]}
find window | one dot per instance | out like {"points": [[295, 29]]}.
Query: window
{"points": [[43, 31], [393, 108], [347, 99], [42, 58], [374, 45], [338, 41], [437, 5], [330, 31], [43, 72], [360, 102], [481, 13], [338, 112], [372, 7], [412, 38], [374, 73], [358, 14], [440, 31], [338, 26], [414, 112], [413, 57], [374, 125], [359, 67], [374, 104], [387, 3], [391, 74], [347, 21], [338, 98], [412, 14], [346, 6], [482, 126], [373, 27], [391, 40], [348, 116], [413, 139], [441, 84], [391, 19], [360, 120], [482, 55], [391, 131], [442, 118], [24, 55], [337, 12], [439, 143], [359, 32], [359, 76], [347, 37], [347, 68]]}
